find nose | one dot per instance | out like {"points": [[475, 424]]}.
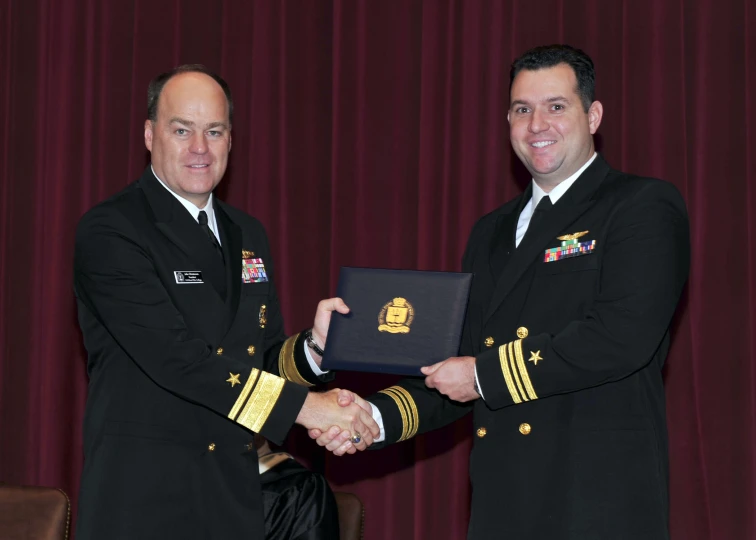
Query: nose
{"points": [[538, 122], [198, 144]]}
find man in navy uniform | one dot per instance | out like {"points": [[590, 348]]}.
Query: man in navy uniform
{"points": [[566, 333], [187, 353]]}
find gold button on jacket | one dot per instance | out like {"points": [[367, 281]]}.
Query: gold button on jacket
{"points": [[251, 350], [481, 432], [219, 351], [211, 447], [522, 332], [525, 429], [489, 341]]}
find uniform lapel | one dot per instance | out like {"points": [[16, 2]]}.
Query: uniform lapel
{"points": [[567, 209], [181, 229], [503, 240], [231, 240]]}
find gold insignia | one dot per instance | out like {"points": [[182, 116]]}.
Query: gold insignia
{"points": [[573, 236], [263, 316], [515, 372], [535, 357], [234, 379], [246, 254], [287, 366], [260, 404], [396, 316], [407, 409]]}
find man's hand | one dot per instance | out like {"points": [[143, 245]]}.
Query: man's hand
{"points": [[323, 321], [454, 377], [334, 408], [335, 439]]}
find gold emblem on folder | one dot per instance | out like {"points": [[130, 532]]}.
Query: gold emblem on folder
{"points": [[573, 236], [396, 316]]}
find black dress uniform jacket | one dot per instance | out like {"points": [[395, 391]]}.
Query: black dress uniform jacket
{"points": [[181, 374], [571, 440]]}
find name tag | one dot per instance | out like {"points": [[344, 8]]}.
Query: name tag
{"points": [[188, 277]]}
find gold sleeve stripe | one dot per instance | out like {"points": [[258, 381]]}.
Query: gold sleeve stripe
{"points": [[507, 375], [405, 401], [511, 355], [263, 399], [244, 394], [287, 366], [524, 370], [414, 424], [407, 410], [402, 412]]}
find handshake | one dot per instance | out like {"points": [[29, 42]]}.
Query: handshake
{"points": [[350, 418], [343, 422]]}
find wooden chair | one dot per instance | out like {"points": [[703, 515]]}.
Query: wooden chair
{"points": [[351, 515], [33, 512]]}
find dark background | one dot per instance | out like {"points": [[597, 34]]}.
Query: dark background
{"points": [[374, 134]]}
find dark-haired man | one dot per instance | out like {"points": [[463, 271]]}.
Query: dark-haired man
{"points": [[567, 330], [187, 353]]}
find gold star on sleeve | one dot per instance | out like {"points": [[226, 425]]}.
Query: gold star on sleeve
{"points": [[535, 357], [234, 379]]}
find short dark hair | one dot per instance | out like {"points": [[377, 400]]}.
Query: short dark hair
{"points": [[156, 88], [552, 55]]}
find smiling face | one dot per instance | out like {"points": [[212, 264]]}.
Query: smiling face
{"points": [[550, 131], [191, 138]]}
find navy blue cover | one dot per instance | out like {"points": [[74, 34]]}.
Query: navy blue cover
{"points": [[438, 299]]}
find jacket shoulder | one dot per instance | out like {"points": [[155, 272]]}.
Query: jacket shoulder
{"points": [[626, 186], [242, 218], [127, 203]]}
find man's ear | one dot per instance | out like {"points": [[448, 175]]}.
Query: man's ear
{"points": [[595, 114], [148, 127]]}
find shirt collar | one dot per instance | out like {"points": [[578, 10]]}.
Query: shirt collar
{"points": [[191, 207], [560, 189]]}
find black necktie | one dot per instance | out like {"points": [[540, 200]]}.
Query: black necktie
{"points": [[544, 205], [202, 219]]}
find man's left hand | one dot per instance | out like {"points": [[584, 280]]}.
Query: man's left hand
{"points": [[454, 377], [323, 321]]}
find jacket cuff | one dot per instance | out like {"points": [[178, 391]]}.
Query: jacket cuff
{"points": [[268, 405]]}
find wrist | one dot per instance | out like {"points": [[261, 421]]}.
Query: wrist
{"points": [[306, 413], [312, 343]]}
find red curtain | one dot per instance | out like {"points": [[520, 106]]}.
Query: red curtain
{"points": [[374, 134]]}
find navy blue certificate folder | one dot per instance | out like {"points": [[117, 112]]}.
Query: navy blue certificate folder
{"points": [[399, 320]]}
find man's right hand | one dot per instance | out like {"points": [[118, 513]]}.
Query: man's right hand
{"points": [[346, 416], [335, 439]]}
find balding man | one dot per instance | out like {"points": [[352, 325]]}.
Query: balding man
{"points": [[187, 353]]}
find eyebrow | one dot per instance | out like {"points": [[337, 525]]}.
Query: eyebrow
{"points": [[547, 100], [189, 123]]}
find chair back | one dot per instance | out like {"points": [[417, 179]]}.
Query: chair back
{"points": [[351, 515], [33, 512]]}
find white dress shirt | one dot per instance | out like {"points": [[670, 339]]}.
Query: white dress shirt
{"points": [[193, 210]]}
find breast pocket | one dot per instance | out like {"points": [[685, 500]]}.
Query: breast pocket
{"points": [[573, 264], [256, 289]]}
